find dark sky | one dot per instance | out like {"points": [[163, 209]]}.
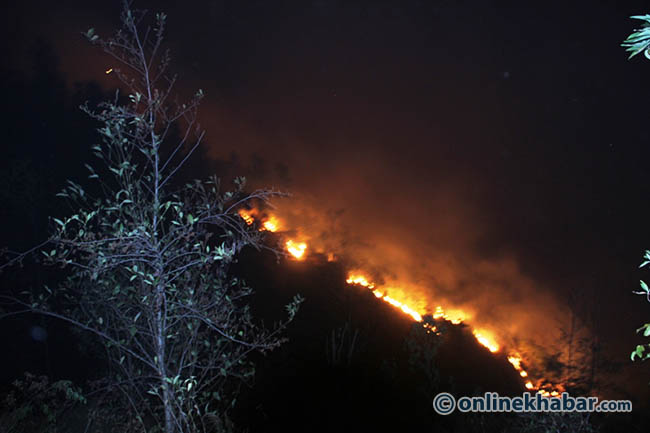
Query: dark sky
{"points": [[487, 155]]}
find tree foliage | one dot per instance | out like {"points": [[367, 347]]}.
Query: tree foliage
{"points": [[637, 42], [642, 351], [148, 260], [35, 404]]}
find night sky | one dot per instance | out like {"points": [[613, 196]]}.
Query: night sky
{"points": [[490, 156]]}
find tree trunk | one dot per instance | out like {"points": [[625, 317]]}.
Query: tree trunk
{"points": [[167, 395]]}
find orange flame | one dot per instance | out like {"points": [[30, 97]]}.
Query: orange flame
{"points": [[457, 318], [296, 249], [515, 360], [360, 280], [246, 216], [405, 308], [486, 339], [555, 390], [271, 224]]}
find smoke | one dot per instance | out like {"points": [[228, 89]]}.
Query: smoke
{"points": [[420, 227]]}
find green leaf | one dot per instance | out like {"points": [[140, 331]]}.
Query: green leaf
{"points": [[646, 330]]}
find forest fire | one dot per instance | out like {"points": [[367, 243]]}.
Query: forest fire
{"points": [[272, 224], [484, 337]]}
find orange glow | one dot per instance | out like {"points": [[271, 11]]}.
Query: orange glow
{"points": [[109, 70], [457, 317], [246, 216], [553, 393], [296, 249], [486, 340], [483, 336], [431, 328], [396, 297], [360, 280], [271, 224], [555, 390], [405, 308], [515, 360], [356, 278]]}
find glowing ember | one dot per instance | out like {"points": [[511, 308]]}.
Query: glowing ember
{"points": [[529, 385], [246, 216], [296, 249], [272, 224], [360, 280], [430, 328], [486, 340], [109, 70], [559, 389], [515, 360], [378, 294]]}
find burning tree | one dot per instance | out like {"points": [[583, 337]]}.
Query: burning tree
{"points": [[148, 260]]}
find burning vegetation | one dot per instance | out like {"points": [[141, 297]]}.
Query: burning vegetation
{"points": [[297, 250]]}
